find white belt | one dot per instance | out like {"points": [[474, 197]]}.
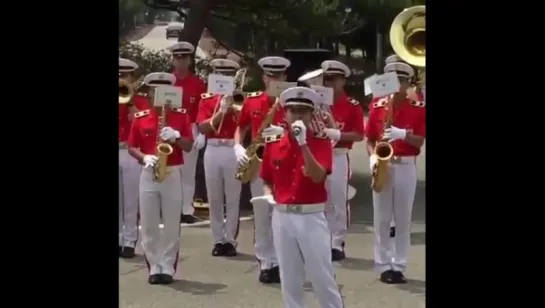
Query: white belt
{"points": [[123, 145], [300, 208], [340, 151], [221, 142], [403, 160]]}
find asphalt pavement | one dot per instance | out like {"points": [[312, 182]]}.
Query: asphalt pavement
{"points": [[206, 281]]}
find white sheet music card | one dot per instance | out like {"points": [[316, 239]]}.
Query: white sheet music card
{"points": [[384, 85], [277, 87], [325, 93], [220, 84], [366, 87], [168, 94]]}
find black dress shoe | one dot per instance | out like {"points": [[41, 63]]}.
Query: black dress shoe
{"points": [[127, 253], [230, 250], [387, 277], [399, 278], [275, 274], [166, 279], [219, 250], [154, 279], [189, 219], [392, 231], [265, 276], [337, 255]]}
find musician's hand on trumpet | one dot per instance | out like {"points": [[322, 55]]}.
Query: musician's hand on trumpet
{"points": [[240, 153], [299, 132]]}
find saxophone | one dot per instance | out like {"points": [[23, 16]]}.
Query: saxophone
{"points": [[384, 152], [163, 150], [248, 171]]}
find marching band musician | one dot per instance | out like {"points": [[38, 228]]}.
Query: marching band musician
{"points": [[252, 115], [160, 199], [192, 87], [129, 171], [348, 116], [414, 94], [395, 201], [300, 231], [220, 163]]}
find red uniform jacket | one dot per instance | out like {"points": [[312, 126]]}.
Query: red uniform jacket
{"points": [[410, 115], [254, 110], [144, 132], [348, 115], [210, 103], [192, 87], [283, 166]]}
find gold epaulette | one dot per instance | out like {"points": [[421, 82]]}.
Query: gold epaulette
{"points": [[273, 138], [180, 110], [142, 113], [206, 95], [353, 101], [143, 94], [254, 94], [420, 104], [381, 103]]}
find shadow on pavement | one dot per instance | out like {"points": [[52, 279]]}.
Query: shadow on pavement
{"points": [[413, 286], [197, 288], [418, 238], [359, 264], [241, 256]]}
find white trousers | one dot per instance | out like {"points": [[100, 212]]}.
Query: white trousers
{"points": [[395, 203], [129, 176], [263, 237], [303, 246], [220, 167], [189, 169], [337, 206], [161, 200]]}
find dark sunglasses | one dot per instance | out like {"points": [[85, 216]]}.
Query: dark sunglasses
{"points": [[181, 57], [299, 109]]}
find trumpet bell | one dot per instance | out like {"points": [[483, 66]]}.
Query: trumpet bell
{"points": [[408, 35]]}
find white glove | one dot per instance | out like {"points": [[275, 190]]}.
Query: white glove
{"points": [[393, 133], [224, 104], [333, 134], [240, 153], [169, 134], [272, 130], [149, 160], [373, 159], [265, 199], [300, 132], [199, 142]]}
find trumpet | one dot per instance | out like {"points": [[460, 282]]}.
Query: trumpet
{"points": [[408, 38], [127, 90], [236, 99]]}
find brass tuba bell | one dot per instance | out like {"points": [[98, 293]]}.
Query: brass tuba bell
{"points": [[126, 91], [408, 35]]}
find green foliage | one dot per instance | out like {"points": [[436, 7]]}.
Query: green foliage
{"points": [[149, 61]]}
